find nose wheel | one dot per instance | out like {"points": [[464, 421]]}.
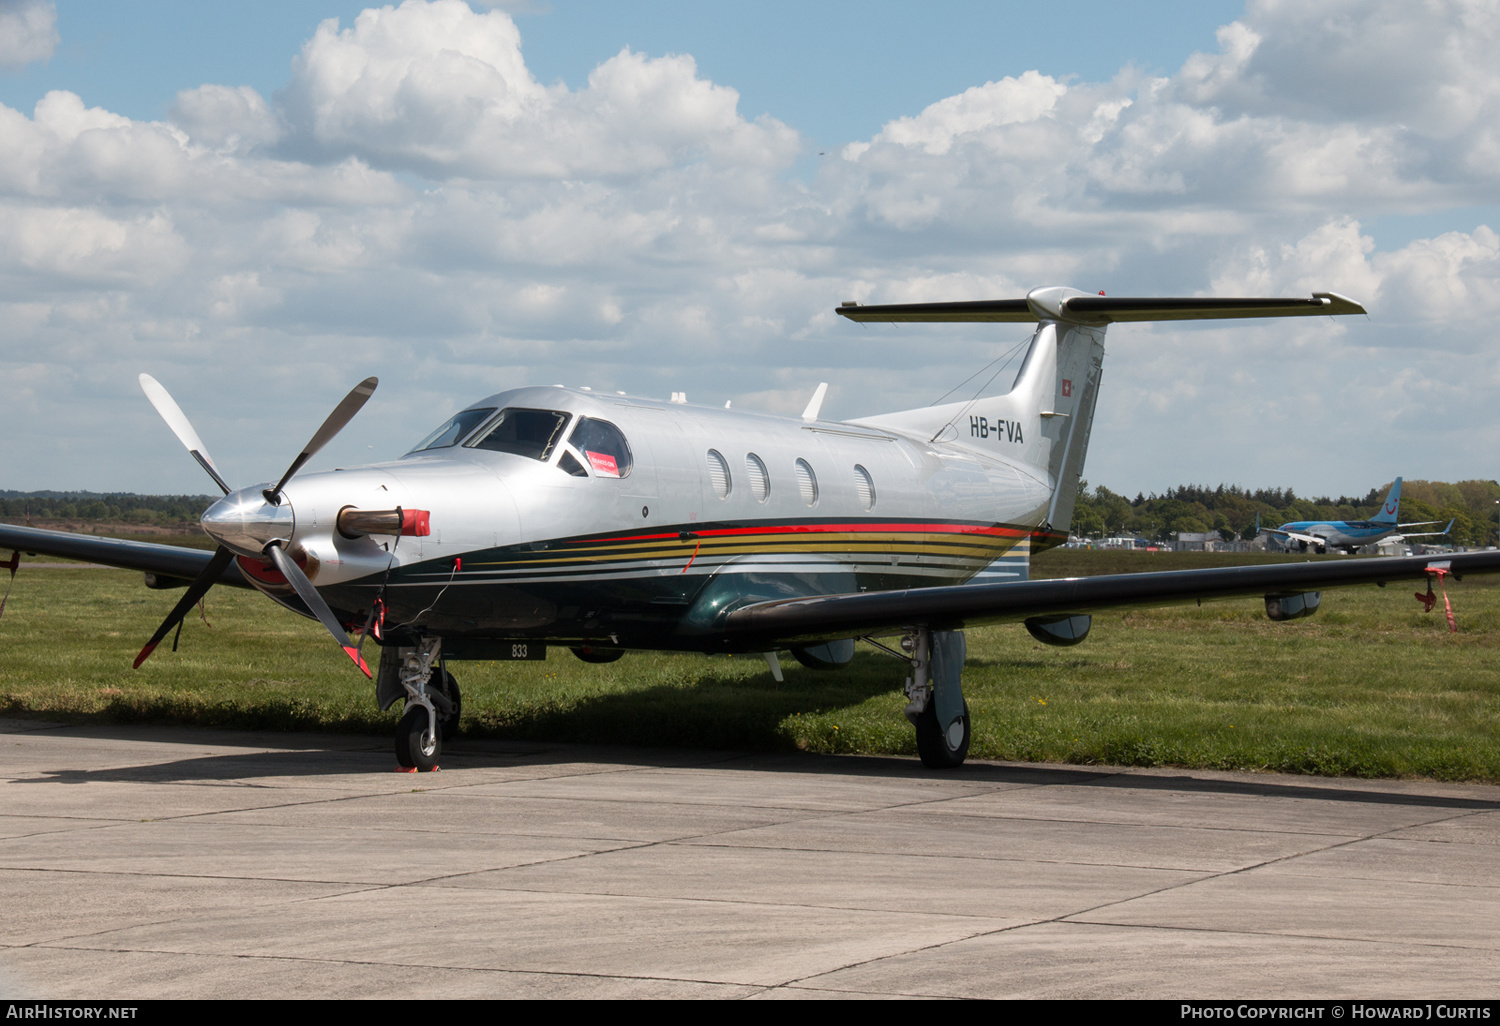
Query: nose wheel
{"points": [[417, 745]]}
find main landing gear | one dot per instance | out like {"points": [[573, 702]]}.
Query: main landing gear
{"points": [[935, 697], [433, 704]]}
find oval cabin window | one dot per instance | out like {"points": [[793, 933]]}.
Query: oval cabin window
{"points": [[718, 473], [807, 482], [866, 487], [760, 481]]}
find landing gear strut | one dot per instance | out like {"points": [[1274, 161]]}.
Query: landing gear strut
{"points": [[443, 685], [432, 707], [936, 705]]}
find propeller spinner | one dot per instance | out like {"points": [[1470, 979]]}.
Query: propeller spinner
{"points": [[253, 522]]}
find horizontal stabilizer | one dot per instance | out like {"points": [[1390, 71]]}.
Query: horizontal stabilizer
{"points": [[1081, 308], [981, 310], [1427, 534]]}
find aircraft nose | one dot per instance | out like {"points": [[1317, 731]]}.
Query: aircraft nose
{"points": [[245, 523]]}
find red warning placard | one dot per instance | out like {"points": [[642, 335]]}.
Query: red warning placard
{"points": [[604, 465]]}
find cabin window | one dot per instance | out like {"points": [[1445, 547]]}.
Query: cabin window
{"points": [[865, 485], [760, 481], [532, 433], [718, 473], [602, 444], [453, 432], [807, 483]]}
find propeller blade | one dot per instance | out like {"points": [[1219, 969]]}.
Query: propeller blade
{"points": [[196, 591], [342, 414], [309, 595], [178, 422]]}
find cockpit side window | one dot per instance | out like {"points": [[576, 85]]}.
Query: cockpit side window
{"points": [[568, 464], [532, 433], [602, 444], [454, 430]]}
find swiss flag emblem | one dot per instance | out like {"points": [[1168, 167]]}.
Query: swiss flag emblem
{"points": [[1067, 388]]}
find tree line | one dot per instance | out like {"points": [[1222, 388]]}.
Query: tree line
{"points": [[1231, 510], [106, 507]]}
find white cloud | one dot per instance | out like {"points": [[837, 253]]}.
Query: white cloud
{"points": [[1006, 102], [229, 120], [82, 247], [1334, 252], [443, 90], [28, 32], [1453, 279]]}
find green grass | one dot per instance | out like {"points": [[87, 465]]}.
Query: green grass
{"points": [[1371, 686]]}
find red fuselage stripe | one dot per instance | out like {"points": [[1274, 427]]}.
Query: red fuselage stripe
{"points": [[863, 528]]}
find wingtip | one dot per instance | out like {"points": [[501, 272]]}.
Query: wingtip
{"points": [[145, 654], [1339, 304]]}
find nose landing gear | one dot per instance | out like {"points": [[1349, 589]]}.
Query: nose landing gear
{"points": [[433, 704]]}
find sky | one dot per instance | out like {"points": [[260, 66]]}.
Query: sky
{"points": [[262, 204]]}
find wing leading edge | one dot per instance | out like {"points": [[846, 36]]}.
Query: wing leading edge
{"points": [[953, 608], [162, 560]]}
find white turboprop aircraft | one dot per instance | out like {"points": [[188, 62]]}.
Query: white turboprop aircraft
{"points": [[557, 516]]}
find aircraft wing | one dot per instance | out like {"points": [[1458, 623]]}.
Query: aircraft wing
{"points": [[174, 561], [1107, 309], [952, 608]]}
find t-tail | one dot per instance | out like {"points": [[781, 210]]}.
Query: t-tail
{"points": [[1390, 509], [1047, 415]]}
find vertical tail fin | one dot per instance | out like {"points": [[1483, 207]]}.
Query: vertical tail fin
{"points": [[1390, 510], [1046, 417], [1069, 418]]}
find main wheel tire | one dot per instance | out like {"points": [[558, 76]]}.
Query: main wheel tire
{"points": [[444, 684], [933, 743], [410, 751]]}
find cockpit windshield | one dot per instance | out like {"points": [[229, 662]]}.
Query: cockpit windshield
{"points": [[453, 431], [532, 433]]}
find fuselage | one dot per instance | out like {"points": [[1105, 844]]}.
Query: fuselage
{"points": [[1350, 534], [577, 517]]}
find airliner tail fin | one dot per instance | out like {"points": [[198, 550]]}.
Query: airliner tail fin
{"points": [[1390, 508]]}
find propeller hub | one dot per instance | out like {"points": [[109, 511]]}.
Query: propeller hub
{"points": [[245, 523]]}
